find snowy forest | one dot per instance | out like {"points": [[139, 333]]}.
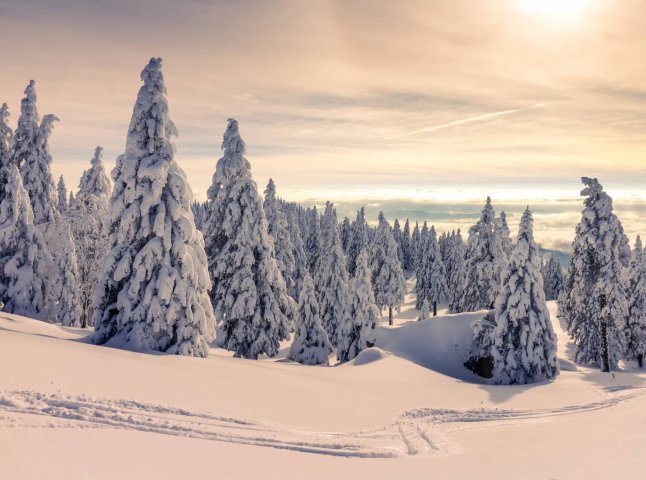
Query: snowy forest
{"points": [[133, 257]]}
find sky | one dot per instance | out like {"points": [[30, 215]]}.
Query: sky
{"points": [[407, 104]]}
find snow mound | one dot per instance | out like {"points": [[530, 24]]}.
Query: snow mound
{"points": [[440, 343], [369, 355], [567, 365]]}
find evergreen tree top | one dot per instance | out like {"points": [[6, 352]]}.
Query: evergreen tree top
{"points": [[153, 77], [526, 227], [94, 180], [28, 109], [232, 143], [6, 136], [270, 191]]}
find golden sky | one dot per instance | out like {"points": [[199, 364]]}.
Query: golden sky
{"points": [[352, 98]]}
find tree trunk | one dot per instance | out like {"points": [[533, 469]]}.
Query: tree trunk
{"points": [[435, 308], [640, 360], [605, 360], [390, 315]]}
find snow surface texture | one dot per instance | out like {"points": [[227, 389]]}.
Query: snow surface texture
{"points": [[435, 413]]}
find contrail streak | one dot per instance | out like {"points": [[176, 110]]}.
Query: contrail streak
{"points": [[466, 120]]}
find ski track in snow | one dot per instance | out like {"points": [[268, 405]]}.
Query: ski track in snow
{"points": [[414, 433]]}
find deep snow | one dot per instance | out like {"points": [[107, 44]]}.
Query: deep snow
{"points": [[407, 408]]}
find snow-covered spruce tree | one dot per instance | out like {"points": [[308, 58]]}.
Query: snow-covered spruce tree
{"points": [[153, 288], [636, 324], [311, 345], [25, 263], [331, 276], [504, 243], [552, 278], [345, 232], [406, 247], [421, 248], [388, 282], [357, 332], [69, 310], [481, 265], [62, 195], [414, 248], [596, 301], [87, 215], [424, 311], [71, 200], [300, 259], [32, 157], [359, 240], [431, 280], [313, 239], [455, 271], [397, 236], [249, 293], [279, 231], [523, 341]]}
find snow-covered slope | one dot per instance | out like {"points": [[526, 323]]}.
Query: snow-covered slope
{"points": [[407, 407]]}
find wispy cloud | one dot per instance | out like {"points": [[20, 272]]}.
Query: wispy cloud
{"points": [[462, 121]]}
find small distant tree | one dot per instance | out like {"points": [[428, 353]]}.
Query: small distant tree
{"points": [[424, 312], [311, 345], [636, 324], [552, 277], [279, 231], [62, 195], [431, 282], [388, 282], [455, 271], [481, 279], [359, 240], [357, 332], [331, 276]]}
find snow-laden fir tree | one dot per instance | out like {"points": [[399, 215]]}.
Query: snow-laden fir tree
{"points": [[357, 332], [62, 195], [552, 277], [431, 279], [406, 247], [153, 288], [311, 345], [313, 239], [596, 301], [359, 240], [25, 263], [388, 282], [420, 263], [71, 200], [331, 276], [455, 270], [279, 231], [481, 265], [300, 259], [504, 244], [32, 157], [87, 215], [414, 248], [636, 324], [249, 293], [397, 235], [345, 231], [523, 340], [424, 311], [69, 310]]}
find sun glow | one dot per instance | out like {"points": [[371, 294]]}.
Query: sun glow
{"points": [[562, 10]]}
